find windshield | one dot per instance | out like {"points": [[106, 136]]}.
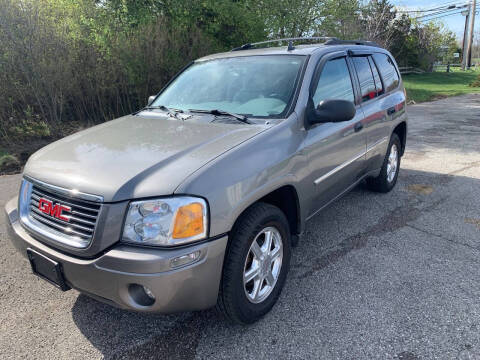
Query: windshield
{"points": [[259, 86]]}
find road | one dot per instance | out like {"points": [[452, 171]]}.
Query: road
{"points": [[376, 276]]}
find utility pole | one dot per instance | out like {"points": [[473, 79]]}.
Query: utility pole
{"points": [[470, 38], [465, 13]]}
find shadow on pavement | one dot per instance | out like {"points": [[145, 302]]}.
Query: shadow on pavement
{"points": [[358, 220], [121, 334]]}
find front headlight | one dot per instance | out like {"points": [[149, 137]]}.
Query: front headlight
{"points": [[166, 222]]}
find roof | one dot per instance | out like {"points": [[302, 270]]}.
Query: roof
{"points": [[306, 49]]}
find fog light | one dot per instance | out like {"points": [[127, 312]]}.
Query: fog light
{"points": [[149, 293], [141, 294], [184, 259]]}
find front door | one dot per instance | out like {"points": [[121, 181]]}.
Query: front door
{"points": [[335, 151]]}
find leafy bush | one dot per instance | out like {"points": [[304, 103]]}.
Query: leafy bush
{"points": [[8, 163], [66, 62], [30, 129]]}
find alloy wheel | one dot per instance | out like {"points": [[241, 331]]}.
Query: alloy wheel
{"points": [[263, 264], [392, 163]]}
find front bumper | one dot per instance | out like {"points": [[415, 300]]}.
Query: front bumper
{"points": [[109, 276]]}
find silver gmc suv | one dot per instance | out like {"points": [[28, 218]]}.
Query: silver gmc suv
{"points": [[197, 199]]}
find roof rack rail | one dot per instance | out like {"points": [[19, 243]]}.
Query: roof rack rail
{"points": [[328, 40], [335, 41], [290, 42]]}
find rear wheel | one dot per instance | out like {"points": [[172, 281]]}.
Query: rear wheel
{"points": [[256, 264], [387, 178]]}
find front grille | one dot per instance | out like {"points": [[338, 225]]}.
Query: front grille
{"points": [[82, 216]]}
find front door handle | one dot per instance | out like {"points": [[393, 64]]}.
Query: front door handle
{"points": [[358, 126], [391, 110]]}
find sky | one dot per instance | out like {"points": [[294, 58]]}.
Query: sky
{"points": [[455, 23]]}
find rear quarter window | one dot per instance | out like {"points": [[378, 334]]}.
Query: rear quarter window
{"points": [[376, 77], [387, 71], [365, 77]]}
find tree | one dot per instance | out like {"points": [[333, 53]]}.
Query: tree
{"points": [[340, 18], [377, 21], [290, 18]]}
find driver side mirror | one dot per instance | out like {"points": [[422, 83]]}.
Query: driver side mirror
{"points": [[332, 111], [150, 99]]}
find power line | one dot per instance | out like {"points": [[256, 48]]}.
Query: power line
{"points": [[451, 2], [444, 6], [441, 16], [429, 10], [442, 12]]}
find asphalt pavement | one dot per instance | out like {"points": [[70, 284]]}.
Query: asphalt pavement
{"points": [[376, 276]]}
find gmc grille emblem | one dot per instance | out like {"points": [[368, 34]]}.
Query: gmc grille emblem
{"points": [[55, 210]]}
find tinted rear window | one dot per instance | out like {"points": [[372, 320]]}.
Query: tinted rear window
{"points": [[387, 70], [367, 84]]}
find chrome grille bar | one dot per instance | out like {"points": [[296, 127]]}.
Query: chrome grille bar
{"points": [[34, 206], [59, 227], [36, 194], [62, 224]]}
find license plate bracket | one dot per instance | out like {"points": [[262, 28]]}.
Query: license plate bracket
{"points": [[47, 269]]}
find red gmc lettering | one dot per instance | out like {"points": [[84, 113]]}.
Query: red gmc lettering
{"points": [[47, 207]]}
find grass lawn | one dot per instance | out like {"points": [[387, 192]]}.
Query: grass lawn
{"points": [[430, 86]]}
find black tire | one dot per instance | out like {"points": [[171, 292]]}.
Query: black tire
{"points": [[232, 299], [381, 182]]}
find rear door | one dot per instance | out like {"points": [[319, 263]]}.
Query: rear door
{"points": [[374, 108], [390, 103], [335, 151]]}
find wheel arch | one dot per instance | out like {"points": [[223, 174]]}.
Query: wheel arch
{"points": [[287, 200], [401, 131]]}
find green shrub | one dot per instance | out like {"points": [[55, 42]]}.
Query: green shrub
{"points": [[9, 163], [29, 128]]}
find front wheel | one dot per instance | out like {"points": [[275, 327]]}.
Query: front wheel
{"points": [[387, 178], [256, 264]]}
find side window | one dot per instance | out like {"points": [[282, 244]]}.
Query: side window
{"points": [[365, 76], [387, 70], [376, 77], [334, 82]]}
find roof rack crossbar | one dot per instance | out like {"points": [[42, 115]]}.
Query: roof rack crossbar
{"points": [[328, 40]]}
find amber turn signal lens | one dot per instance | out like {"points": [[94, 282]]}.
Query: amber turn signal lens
{"points": [[189, 221]]}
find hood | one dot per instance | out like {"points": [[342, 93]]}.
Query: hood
{"points": [[134, 156]]}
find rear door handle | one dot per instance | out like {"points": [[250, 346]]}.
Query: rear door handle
{"points": [[358, 126], [391, 110]]}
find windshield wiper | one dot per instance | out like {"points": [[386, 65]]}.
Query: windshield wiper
{"points": [[171, 112], [240, 117]]}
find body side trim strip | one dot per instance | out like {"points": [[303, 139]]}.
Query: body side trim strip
{"points": [[377, 144], [345, 164], [340, 195], [338, 168]]}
